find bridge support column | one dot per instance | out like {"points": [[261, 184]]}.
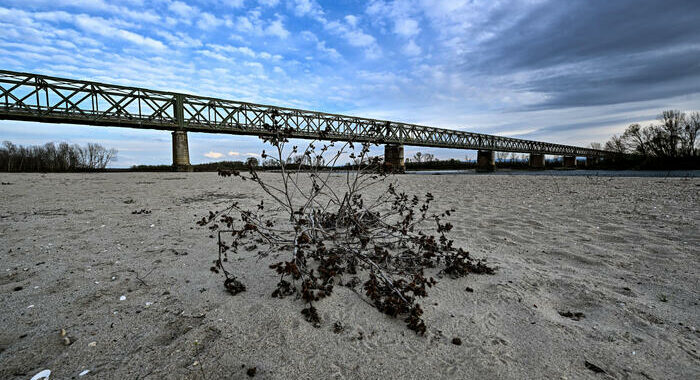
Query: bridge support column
{"points": [[181, 152], [393, 158], [592, 161], [485, 161], [537, 161], [570, 162]]}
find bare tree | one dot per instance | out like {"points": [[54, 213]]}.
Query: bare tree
{"points": [[691, 129], [616, 145], [49, 157]]}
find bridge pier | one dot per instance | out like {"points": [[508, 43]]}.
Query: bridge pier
{"points": [[592, 161], [393, 158], [570, 162], [537, 161], [181, 152], [485, 161]]}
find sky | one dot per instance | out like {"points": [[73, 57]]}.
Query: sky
{"points": [[570, 72]]}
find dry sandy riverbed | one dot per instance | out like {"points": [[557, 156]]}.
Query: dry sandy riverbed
{"points": [[622, 251]]}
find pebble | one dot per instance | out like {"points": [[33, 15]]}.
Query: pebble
{"points": [[42, 375], [122, 298], [92, 344]]}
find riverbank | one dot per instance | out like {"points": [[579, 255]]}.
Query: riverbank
{"points": [[134, 294]]}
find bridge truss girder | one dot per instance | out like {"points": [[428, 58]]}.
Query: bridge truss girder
{"points": [[33, 97]]}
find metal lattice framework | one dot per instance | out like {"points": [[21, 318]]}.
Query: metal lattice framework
{"points": [[33, 97]]}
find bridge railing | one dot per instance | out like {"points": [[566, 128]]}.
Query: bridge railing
{"points": [[34, 97]]}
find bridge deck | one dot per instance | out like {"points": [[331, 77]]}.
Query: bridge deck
{"points": [[33, 97]]}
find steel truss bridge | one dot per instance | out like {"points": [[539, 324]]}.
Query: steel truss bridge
{"points": [[40, 98]]}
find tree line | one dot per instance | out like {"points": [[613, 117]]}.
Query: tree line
{"points": [[50, 157], [673, 136]]}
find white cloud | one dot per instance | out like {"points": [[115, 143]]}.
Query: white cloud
{"points": [[355, 36], [269, 3], [179, 39], [209, 21], [244, 50], [213, 154], [234, 154], [252, 23], [411, 48], [183, 9], [307, 8], [321, 45], [406, 27], [103, 27], [276, 28]]}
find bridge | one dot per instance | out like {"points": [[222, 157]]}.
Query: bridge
{"points": [[40, 98]]}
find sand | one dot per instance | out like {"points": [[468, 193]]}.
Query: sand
{"points": [[135, 296]]}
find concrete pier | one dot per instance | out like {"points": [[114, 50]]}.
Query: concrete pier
{"points": [[570, 162], [181, 152], [485, 161], [592, 161], [536, 161], [393, 158]]}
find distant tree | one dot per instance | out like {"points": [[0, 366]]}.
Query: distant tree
{"points": [[674, 137], [418, 157], [49, 157], [691, 129], [615, 145]]}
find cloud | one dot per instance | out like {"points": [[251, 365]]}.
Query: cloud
{"points": [[179, 39], [609, 53], [355, 36], [406, 27], [209, 21], [411, 48], [106, 28], [182, 9], [269, 3], [306, 8], [251, 23], [321, 45], [213, 154], [234, 154]]}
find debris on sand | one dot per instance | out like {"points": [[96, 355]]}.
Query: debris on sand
{"points": [[576, 316], [594, 367], [81, 374], [457, 341], [251, 371], [122, 298], [42, 375]]}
